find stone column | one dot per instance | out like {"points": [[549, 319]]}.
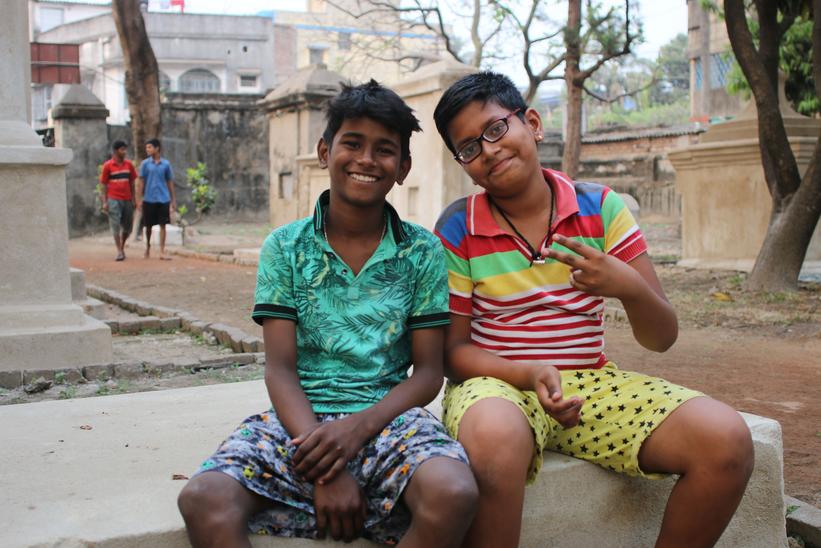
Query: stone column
{"points": [[295, 124], [436, 179], [79, 118], [725, 204], [40, 328]]}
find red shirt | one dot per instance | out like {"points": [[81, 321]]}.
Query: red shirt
{"points": [[117, 177]]}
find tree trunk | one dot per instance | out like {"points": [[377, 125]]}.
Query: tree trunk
{"points": [[796, 201], [142, 82], [573, 84]]}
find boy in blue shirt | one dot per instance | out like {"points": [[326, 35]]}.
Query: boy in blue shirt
{"points": [[347, 300], [155, 195]]}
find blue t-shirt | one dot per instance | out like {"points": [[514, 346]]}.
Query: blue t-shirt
{"points": [[155, 177]]}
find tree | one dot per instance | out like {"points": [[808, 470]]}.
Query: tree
{"points": [[674, 72], [796, 200], [602, 35], [600, 42], [142, 75]]}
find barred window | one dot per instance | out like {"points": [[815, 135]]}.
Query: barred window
{"points": [[199, 81], [720, 64], [699, 73]]}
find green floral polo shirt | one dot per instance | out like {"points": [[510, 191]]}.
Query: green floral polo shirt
{"points": [[353, 332]]}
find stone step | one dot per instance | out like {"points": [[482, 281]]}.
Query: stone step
{"points": [[100, 471]]}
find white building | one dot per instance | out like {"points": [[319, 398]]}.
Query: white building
{"points": [[199, 53]]}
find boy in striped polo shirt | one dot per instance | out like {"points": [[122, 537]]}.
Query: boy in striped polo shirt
{"points": [[530, 260]]}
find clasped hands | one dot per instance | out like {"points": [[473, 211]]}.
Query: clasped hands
{"points": [[322, 455]]}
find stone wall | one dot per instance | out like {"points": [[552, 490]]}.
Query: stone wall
{"points": [[229, 133]]}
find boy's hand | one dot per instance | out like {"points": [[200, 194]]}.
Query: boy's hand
{"points": [[595, 272], [340, 507], [547, 383], [325, 450]]}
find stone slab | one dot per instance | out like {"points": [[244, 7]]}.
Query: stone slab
{"points": [[804, 520], [173, 236], [56, 347], [125, 496], [92, 307]]}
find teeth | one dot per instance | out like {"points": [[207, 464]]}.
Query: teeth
{"points": [[363, 178]]}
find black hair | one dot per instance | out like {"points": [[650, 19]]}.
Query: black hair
{"points": [[154, 143], [481, 86], [374, 101], [117, 145]]}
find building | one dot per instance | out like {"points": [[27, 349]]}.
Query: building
{"points": [[711, 59], [206, 53]]}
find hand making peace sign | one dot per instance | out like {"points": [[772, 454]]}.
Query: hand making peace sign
{"points": [[595, 272]]}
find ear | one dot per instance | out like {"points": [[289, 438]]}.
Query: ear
{"points": [[404, 169], [322, 151], [534, 121]]}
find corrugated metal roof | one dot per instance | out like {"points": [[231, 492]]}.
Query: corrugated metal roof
{"points": [[644, 133]]}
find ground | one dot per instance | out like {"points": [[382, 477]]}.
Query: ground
{"points": [[760, 353]]}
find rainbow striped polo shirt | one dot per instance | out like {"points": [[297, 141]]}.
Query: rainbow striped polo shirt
{"points": [[530, 312]]}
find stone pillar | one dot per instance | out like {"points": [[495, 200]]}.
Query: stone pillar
{"points": [[40, 328], [435, 179], [725, 202], [79, 123], [295, 124]]}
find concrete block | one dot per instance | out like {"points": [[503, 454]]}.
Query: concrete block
{"points": [[138, 444], [128, 370], [130, 327], [173, 236], [157, 369], [259, 357], [221, 332], [72, 375], [234, 339], [31, 375], [78, 284], [128, 303], [150, 322], [11, 379], [143, 308], [101, 372], [75, 345], [804, 520], [247, 256], [92, 307], [215, 363], [243, 359], [251, 344], [185, 365], [170, 324], [113, 325], [164, 311], [228, 259], [197, 327]]}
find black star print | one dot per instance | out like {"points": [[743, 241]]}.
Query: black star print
{"points": [[622, 407], [581, 423], [578, 434], [597, 380], [596, 439], [599, 416], [635, 396], [615, 389], [650, 424], [611, 447], [609, 407], [579, 375], [638, 410], [625, 441], [668, 392], [621, 453], [648, 383], [663, 410], [650, 402], [595, 453], [583, 448]]}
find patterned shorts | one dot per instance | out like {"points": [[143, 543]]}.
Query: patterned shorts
{"points": [[620, 411], [120, 216], [258, 456]]}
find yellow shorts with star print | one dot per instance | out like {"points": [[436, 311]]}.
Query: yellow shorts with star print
{"points": [[621, 409]]}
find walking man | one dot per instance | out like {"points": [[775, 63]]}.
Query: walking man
{"points": [[155, 195], [117, 195]]}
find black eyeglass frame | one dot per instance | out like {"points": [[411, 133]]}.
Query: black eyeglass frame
{"points": [[482, 137]]}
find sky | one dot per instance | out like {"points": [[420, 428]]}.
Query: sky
{"points": [[663, 19]]}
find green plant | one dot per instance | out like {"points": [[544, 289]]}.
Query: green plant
{"points": [[203, 195], [67, 393], [60, 377]]}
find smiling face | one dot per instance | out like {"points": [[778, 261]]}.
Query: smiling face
{"points": [[364, 160], [505, 167]]}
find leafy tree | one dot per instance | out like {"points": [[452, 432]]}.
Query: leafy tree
{"points": [[796, 200], [142, 75], [203, 195], [674, 72]]}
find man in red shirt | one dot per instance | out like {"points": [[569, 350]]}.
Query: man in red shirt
{"points": [[117, 195]]}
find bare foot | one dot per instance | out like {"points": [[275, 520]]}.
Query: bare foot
{"points": [[147, 251], [120, 256], [165, 258]]}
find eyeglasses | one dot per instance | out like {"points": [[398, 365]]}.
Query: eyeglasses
{"points": [[492, 133]]}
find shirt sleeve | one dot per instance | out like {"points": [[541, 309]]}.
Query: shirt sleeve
{"points": [[274, 295], [143, 170], [430, 297], [169, 173], [452, 232], [622, 236], [133, 172], [105, 174]]}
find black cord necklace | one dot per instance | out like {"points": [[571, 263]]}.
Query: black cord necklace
{"points": [[535, 256]]}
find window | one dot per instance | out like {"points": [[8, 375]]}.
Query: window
{"points": [[720, 64], [199, 81], [286, 186], [316, 55], [699, 75], [165, 82], [413, 200], [344, 41], [247, 81]]}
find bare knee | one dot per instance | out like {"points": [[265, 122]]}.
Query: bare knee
{"points": [[445, 501], [498, 441], [210, 502], [734, 454]]}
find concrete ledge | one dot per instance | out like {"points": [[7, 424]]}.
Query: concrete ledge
{"points": [[111, 485], [804, 520]]}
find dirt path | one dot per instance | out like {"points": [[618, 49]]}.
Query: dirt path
{"points": [[772, 370]]}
